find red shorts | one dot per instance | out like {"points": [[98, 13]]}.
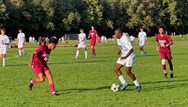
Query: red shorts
{"points": [[166, 55], [40, 69], [92, 43]]}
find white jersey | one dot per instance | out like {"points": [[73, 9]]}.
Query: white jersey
{"points": [[142, 36], [4, 39], [21, 38], [82, 36], [125, 45]]}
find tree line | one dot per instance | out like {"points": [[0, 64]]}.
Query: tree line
{"points": [[57, 17]]}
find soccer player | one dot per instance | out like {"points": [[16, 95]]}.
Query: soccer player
{"points": [[126, 59], [20, 42], [4, 42], [163, 43], [93, 36], [142, 37], [81, 43], [38, 61]]}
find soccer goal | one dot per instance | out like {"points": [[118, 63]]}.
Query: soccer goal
{"points": [[71, 36]]}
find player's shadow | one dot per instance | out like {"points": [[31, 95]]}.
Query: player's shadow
{"points": [[87, 62], [176, 83], [80, 90]]}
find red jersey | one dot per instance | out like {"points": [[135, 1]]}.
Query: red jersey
{"points": [[163, 41], [93, 34], [41, 56]]}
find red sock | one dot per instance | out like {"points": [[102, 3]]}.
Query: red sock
{"points": [[34, 81], [52, 88], [93, 51], [164, 67]]}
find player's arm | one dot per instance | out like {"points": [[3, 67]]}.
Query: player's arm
{"points": [[31, 58], [147, 41], [170, 42], [127, 55], [89, 35], [157, 46], [7, 42]]}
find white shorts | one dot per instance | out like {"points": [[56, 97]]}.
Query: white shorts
{"points": [[141, 43], [3, 50], [81, 45], [20, 45], [127, 62]]}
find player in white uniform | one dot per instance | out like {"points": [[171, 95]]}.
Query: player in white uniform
{"points": [[81, 43], [4, 42], [20, 42], [142, 37], [126, 59]]}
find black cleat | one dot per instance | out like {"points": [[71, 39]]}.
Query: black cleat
{"points": [[30, 86], [165, 75], [171, 75], [55, 94], [138, 88]]}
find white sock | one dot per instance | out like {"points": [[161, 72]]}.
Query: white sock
{"points": [[20, 53], [23, 51], [77, 53], [4, 61], [122, 80], [164, 71], [85, 54], [136, 83], [171, 72]]}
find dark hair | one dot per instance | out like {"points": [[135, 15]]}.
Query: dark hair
{"points": [[118, 30], [82, 29], [163, 27], [53, 40], [2, 29], [20, 29]]}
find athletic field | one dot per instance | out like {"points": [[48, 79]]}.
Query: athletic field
{"points": [[86, 83]]}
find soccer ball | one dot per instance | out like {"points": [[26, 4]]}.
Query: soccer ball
{"points": [[115, 87]]}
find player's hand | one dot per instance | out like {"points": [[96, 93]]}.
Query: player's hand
{"points": [[122, 58], [118, 53], [29, 64]]}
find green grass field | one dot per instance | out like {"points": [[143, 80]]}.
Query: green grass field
{"points": [[86, 83]]}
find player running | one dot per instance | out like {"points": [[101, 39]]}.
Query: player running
{"points": [[20, 42], [39, 60], [81, 43], [164, 42], [93, 36], [127, 58], [142, 37], [4, 42]]}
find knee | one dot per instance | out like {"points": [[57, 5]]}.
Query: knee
{"points": [[163, 61], [41, 79]]}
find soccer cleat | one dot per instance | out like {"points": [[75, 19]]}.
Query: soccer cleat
{"points": [[124, 86], [30, 86], [55, 94], [171, 75], [94, 56], [75, 58], [165, 75], [138, 88]]}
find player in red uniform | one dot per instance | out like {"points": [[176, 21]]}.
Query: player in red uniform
{"points": [[93, 36], [164, 42], [39, 60]]}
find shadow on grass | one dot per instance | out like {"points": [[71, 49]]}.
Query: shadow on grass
{"points": [[80, 90], [168, 86], [86, 62]]}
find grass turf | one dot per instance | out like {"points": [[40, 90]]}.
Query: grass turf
{"points": [[86, 83]]}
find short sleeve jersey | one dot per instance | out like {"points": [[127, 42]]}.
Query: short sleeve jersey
{"points": [[41, 56]]}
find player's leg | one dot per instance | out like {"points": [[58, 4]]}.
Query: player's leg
{"points": [[93, 51], [163, 62], [20, 51], [23, 51], [50, 82], [4, 59], [40, 78], [117, 69], [85, 51], [171, 67], [77, 53]]}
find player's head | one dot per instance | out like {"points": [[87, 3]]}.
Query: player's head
{"points": [[162, 29], [52, 43], [118, 33], [92, 27], [20, 30], [141, 29], [81, 30], [2, 31]]}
